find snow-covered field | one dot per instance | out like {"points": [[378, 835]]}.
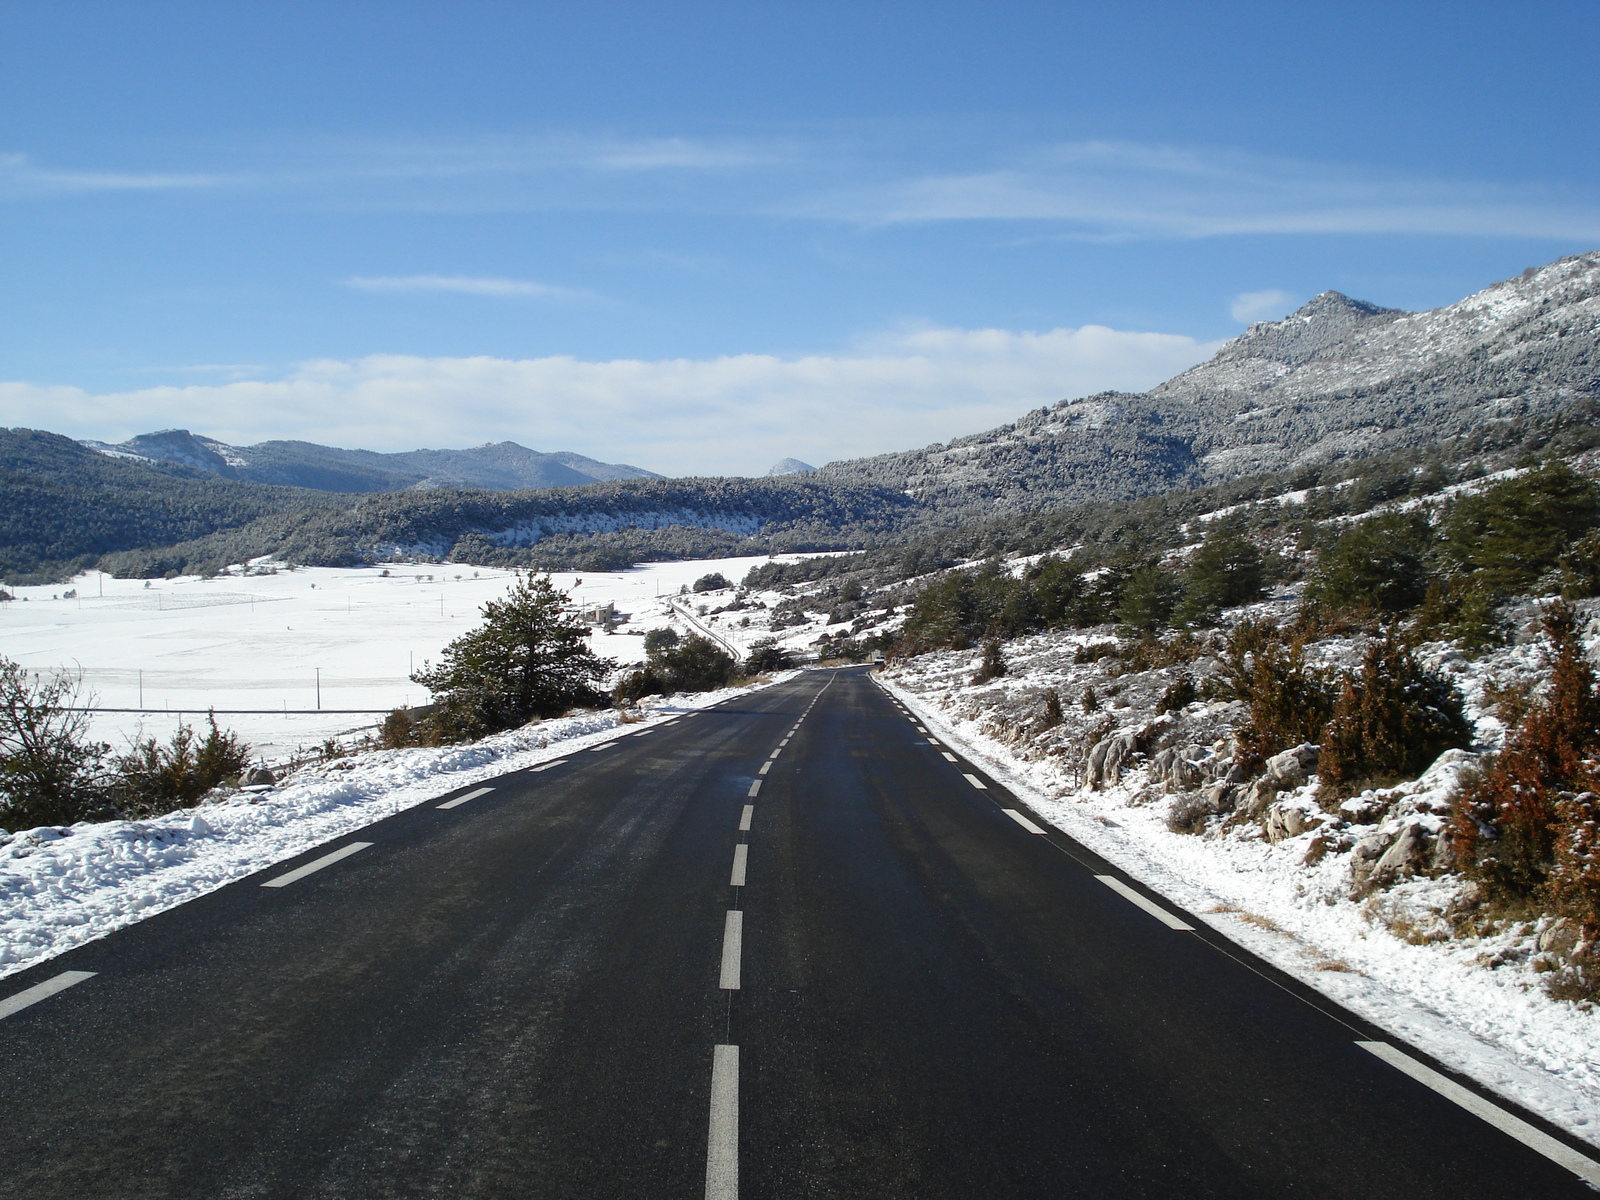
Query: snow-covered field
{"points": [[63, 886], [294, 642], [1476, 1003]]}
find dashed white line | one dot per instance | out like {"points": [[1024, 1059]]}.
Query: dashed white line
{"points": [[603, 746], [745, 816], [327, 860], [42, 991], [920, 729], [765, 767], [1021, 820], [741, 854], [722, 1142], [755, 789], [473, 795], [732, 949], [933, 741], [548, 765], [1133, 897], [948, 757], [976, 782], [776, 752], [1560, 1153]]}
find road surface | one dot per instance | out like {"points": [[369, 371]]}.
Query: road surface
{"points": [[788, 947]]}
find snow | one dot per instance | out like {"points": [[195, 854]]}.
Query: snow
{"points": [[263, 641], [1474, 1003], [63, 886]]}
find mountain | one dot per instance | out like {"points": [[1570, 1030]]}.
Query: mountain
{"points": [[789, 466], [1338, 378], [501, 466]]}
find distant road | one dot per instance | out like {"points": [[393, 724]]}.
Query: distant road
{"points": [[787, 947]]}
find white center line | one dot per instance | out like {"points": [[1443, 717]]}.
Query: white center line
{"points": [[597, 749], [41, 991], [948, 757], [776, 752], [976, 782], [1133, 897], [765, 767], [722, 1143], [548, 765], [732, 947], [744, 818], [327, 860], [755, 788], [473, 795], [1560, 1153], [741, 853], [1021, 820]]}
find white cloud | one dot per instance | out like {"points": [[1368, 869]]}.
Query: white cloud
{"points": [[731, 415], [466, 285], [1257, 306]]}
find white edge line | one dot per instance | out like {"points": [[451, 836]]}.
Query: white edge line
{"points": [[976, 782], [732, 950], [473, 795], [741, 856], [948, 757], [1134, 898], [326, 860], [1021, 820], [722, 1138], [548, 765], [42, 991], [1560, 1153]]}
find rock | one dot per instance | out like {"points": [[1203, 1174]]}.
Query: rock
{"points": [[1286, 821], [258, 777], [1290, 768], [1406, 856], [1107, 757], [1559, 937], [1260, 794]]}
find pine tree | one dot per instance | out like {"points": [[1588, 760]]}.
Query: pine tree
{"points": [[529, 658]]}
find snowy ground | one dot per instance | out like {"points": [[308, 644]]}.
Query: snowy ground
{"points": [[1476, 1003], [63, 886], [275, 641]]}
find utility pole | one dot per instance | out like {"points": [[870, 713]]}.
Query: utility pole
{"points": [[141, 687], [319, 689]]}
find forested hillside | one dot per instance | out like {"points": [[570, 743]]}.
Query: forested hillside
{"points": [[62, 505], [597, 527]]}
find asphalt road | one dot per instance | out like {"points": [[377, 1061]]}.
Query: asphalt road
{"points": [[540, 992]]}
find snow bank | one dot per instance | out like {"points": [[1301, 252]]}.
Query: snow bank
{"points": [[62, 886]]}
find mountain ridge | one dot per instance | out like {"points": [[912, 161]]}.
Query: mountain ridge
{"points": [[498, 466]]}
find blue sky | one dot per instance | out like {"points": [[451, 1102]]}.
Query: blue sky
{"points": [[701, 237]]}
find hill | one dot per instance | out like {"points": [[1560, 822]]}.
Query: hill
{"points": [[502, 466]]}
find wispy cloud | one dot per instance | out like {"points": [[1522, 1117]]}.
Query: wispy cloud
{"points": [[864, 175], [735, 414], [20, 175], [1255, 306], [1119, 190], [465, 285]]}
